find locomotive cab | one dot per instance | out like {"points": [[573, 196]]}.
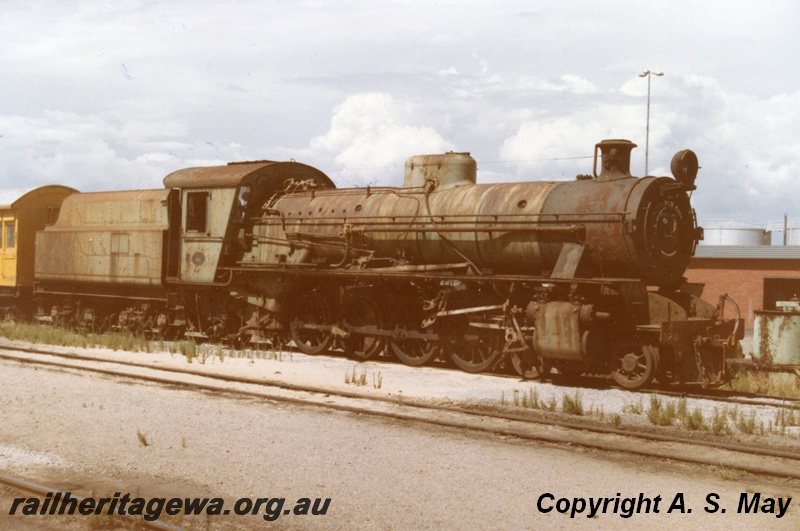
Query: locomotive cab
{"points": [[218, 207]]}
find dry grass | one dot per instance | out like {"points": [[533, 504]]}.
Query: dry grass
{"points": [[572, 404], [359, 379], [774, 384], [52, 335]]}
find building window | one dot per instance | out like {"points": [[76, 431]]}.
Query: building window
{"points": [[10, 235], [197, 211]]}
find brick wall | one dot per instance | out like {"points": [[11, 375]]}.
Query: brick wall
{"points": [[741, 278]]}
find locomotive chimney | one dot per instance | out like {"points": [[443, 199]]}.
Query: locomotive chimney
{"points": [[616, 159]]}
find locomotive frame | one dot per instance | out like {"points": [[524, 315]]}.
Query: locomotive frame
{"points": [[581, 276]]}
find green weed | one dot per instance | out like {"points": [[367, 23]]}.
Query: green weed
{"points": [[572, 405], [354, 377], [662, 413], [719, 422], [782, 385]]}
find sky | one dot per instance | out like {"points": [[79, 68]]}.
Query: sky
{"points": [[116, 95]]}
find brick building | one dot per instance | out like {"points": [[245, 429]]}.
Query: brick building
{"points": [[755, 276]]}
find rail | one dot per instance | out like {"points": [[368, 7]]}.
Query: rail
{"points": [[581, 434]]}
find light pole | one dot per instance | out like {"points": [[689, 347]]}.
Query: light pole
{"points": [[647, 74]]}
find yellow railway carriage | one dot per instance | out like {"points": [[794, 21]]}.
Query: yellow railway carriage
{"points": [[22, 213]]}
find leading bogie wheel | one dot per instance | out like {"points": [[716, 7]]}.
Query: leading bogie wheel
{"points": [[529, 366], [635, 364]]}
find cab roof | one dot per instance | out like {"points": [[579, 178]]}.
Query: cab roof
{"points": [[265, 173]]}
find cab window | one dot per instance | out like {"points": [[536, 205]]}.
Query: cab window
{"points": [[197, 211]]}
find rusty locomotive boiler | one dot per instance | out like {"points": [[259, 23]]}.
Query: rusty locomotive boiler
{"points": [[581, 276]]}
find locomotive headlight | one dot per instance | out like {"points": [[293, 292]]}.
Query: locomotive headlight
{"points": [[684, 167]]}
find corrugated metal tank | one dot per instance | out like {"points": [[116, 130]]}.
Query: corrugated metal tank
{"points": [[735, 234]]}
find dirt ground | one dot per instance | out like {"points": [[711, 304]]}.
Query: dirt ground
{"points": [[95, 436]]}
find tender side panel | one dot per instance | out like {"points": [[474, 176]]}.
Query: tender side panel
{"points": [[109, 239]]}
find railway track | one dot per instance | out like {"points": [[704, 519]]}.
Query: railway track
{"points": [[676, 391], [751, 458], [718, 395], [593, 382], [722, 395]]}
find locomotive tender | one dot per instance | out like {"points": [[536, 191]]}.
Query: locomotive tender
{"points": [[582, 276]]}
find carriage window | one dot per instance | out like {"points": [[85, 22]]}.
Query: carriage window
{"points": [[197, 211], [10, 237]]}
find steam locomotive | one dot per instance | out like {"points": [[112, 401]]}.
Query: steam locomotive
{"points": [[581, 276]]}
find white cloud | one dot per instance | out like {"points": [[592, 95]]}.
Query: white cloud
{"points": [[747, 145], [753, 158], [354, 88], [555, 148], [370, 137], [94, 152], [570, 83]]}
